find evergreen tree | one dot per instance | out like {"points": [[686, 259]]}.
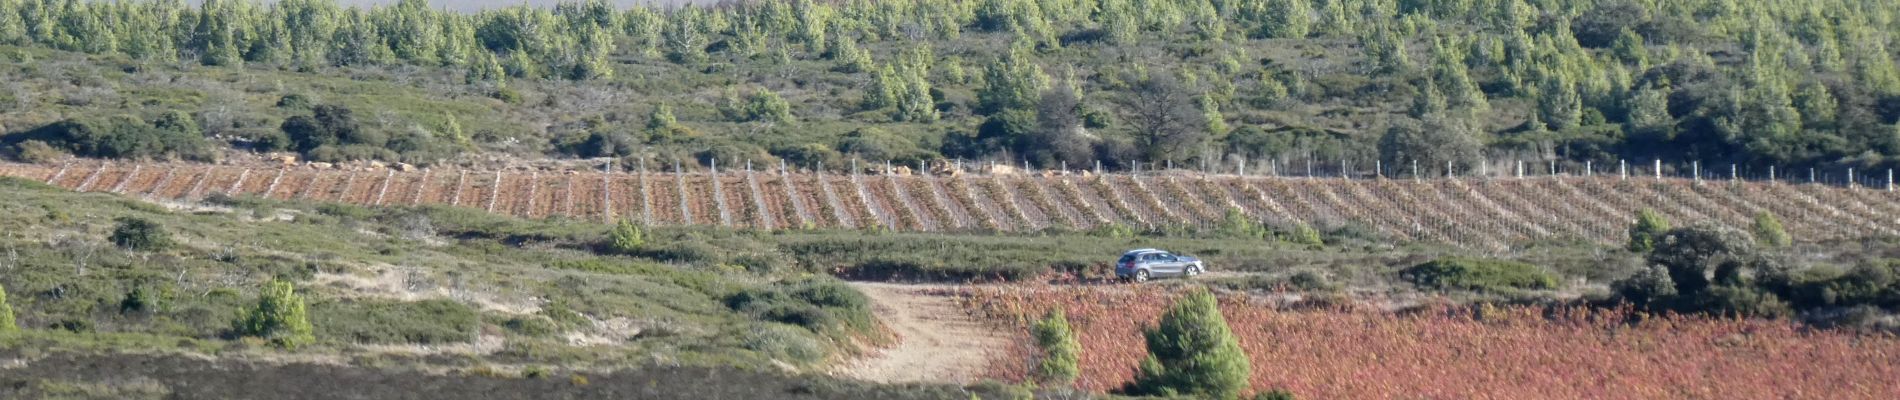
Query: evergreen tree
{"points": [[1649, 118], [627, 237], [1013, 82], [1119, 20], [1768, 231], [914, 103], [215, 39], [1817, 106], [1629, 48], [12, 26], [1287, 19], [279, 316], [883, 90], [1558, 103], [1192, 352], [1061, 353], [661, 119], [1648, 229], [410, 31], [765, 105]]}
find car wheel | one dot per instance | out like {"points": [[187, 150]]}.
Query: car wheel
{"points": [[1141, 276], [1194, 270]]}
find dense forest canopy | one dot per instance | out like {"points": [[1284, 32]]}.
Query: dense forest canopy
{"points": [[1440, 83]]}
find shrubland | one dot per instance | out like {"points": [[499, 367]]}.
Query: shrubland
{"points": [[1187, 82]]}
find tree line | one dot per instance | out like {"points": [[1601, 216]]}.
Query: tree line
{"points": [[1053, 82]]}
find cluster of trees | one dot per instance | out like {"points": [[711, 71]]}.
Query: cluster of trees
{"points": [[1732, 273], [332, 133], [173, 135], [1442, 83]]}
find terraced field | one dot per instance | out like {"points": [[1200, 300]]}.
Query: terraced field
{"points": [[1490, 214]]}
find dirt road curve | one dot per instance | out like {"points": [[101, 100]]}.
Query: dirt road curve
{"points": [[936, 341]]}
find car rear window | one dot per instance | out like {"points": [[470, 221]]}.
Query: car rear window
{"points": [[1126, 258]]}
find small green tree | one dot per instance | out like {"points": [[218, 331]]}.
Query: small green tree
{"points": [[134, 233], [279, 316], [1061, 353], [627, 237], [1306, 235], [1192, 352], [6, 313], [1768, 231], [1649, 226]]}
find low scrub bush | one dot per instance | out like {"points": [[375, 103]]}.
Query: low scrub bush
{"points": [[1479, 275], [390, 322]]}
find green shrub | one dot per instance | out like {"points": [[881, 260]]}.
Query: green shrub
{"points": [[1236, 224], [1649, 227], [7, 324], [143, 299], [531, 326], [36, 152], [1192, 352], [434, 321], [279, 316], [1061, 353], [783, 342], [627, 238], [1477, 274], [124, 136], [821, 305], [1769, 233], [1305, 234], [140, 234]]}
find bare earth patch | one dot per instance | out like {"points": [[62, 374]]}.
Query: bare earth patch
{"points": [[937, 341]]}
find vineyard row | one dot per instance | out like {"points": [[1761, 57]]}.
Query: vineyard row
{"points": [[1472, 213]]}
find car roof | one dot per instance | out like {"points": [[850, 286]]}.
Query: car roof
{"points": [[1141, 251]]}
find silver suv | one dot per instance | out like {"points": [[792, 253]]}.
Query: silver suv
{"points": [[1140, 264]]}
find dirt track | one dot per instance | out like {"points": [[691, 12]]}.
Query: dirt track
{"points": [[936, 340]]}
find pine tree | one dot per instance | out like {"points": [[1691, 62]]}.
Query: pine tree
{"points": [[765, 105], [1649, 117], [1558, 103], [1061, 353], [661, 119], [311, 26], [1192, 352], [12, 26], [883, 90], [410, 30], [1012, 82], [1649, 228], [1768, 231], [1287, 19], [627, 237], [215, 37], [1629, 48], [683, 39], [279, 316], [1817, 106], [1120, 22], [915, 103]]}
